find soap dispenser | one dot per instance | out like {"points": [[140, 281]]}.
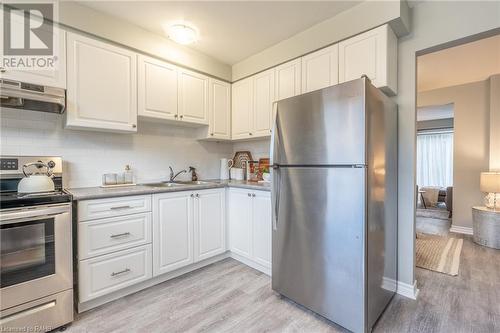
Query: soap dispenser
{"points": [[194, 176], [128, 175]]}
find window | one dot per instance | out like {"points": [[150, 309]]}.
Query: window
{"points": [[435, 158]]}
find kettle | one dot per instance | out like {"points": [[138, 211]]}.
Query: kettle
{"points": [[36, 181]]}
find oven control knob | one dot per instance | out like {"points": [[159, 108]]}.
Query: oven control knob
{"points": [[51, 164]]}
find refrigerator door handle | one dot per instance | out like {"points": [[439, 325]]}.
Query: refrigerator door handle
{"points": [[275, 195]]}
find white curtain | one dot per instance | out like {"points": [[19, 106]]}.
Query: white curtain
{"points": [[435, 159]]}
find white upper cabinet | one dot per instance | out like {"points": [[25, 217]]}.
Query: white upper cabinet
{"points": [[263, 103], [373, 53], [242, 108], [193, 97], [157, 89], [219, 126], [320, 69], [253, 99], [288, 77], [101, 85]]}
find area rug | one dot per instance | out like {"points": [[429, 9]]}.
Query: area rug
{"points": [[440, 254]]}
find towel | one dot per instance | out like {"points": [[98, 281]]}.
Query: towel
{"points": [[431, 195]]}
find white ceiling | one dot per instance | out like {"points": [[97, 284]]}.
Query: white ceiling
{"points": [[230, 31], [461, 64], [435, 112]]}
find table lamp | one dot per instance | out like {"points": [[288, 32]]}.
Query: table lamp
{"points": [[490, 183]]}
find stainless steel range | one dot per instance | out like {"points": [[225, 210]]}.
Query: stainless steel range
{"points": [[36, 283]]}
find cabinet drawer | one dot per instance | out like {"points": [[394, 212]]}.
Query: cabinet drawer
{"points": [[104, 236], [105, 274], [102, 208]]}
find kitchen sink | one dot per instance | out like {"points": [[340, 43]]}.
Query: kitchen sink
{"points": [[163, 184], [197, 182]]}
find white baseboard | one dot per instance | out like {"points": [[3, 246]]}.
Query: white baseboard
{"points": [[408, 290], [255, 265], [461, 230]]}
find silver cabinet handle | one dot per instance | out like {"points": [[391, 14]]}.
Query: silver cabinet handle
{"points": [[120, 207], [197, 195], [250, 133], [120, 235], [249, 194], [192, 195], [126, 270], [182, 116], [2, 70], [175, 116], [212, 134], [253, 195], [134, 125]]}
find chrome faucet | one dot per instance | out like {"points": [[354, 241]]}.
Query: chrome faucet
{"points": [[172, 175]]}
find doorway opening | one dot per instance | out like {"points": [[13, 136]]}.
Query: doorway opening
{"points": [[458, 138]]}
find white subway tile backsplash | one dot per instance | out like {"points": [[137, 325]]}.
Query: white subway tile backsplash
{"points": [[259, 148], [88, 155]]}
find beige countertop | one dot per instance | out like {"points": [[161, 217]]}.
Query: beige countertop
{"points": [[86, 193]]}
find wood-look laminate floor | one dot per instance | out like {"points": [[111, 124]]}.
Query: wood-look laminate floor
{"points": [[230, 297]]}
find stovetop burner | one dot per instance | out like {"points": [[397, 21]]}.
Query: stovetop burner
{"points": [[16, 200], [11, 173]]}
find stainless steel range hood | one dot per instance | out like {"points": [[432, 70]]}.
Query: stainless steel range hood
{"points": [[32, 97]]}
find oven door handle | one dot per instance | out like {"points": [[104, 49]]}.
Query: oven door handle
{"points": [[31, 214]]}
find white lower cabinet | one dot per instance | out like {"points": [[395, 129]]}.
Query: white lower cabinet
{"points": [[124, 241], [187, 227], [172, 231], [102, 236], [250, 226], [210, 224], [108, 273], [261, 228], [240, 222]]}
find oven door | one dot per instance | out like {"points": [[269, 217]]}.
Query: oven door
{"points": [[36, 253]]}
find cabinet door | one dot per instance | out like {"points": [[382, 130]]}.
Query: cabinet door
{"points": [[101, 87], [288, 79], [240, 230], [157, 89], [261, 228], [209, 229], [242, 110], [55, 77], [220, 110], [193, 97], [263, 103], [320, 69], [172, 231], [373, 53]]}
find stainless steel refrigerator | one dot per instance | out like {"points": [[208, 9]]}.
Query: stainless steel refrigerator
{"points": [[334, 194]]}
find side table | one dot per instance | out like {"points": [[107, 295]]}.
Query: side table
{"points": [[486, 227]]}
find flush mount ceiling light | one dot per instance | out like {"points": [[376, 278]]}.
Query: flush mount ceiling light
{"points": [[182, 33]]}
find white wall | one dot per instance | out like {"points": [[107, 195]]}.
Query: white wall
{"points": [[495, 122], [360, 18], [87, 155], [471, 143], [433, 23]]}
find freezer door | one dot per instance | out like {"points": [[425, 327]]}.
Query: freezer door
{"points": [[324, 127], [318, 241]]}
